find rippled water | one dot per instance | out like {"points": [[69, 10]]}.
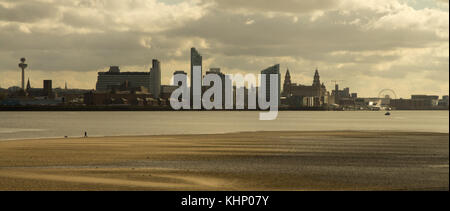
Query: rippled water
{"points": [[21, 125]]}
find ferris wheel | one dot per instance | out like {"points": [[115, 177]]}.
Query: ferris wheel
{"points": [[387, 93]]}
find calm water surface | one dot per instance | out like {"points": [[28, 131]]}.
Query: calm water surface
{"points": [[24, 125]]}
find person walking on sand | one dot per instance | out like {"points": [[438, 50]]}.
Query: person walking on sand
{"points": [[85, 134]]}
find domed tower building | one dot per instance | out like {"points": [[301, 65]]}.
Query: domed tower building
{"points": [[315, 95], [316, 82], [287, 85], [320, 91]]}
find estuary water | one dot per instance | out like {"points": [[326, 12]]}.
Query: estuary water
{"points": [[32, 125]]}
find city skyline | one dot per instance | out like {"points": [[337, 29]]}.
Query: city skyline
{"points": [[152, 82], [370, 49]]}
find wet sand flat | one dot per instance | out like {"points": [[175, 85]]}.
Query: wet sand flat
{"points": [[342, 160]]}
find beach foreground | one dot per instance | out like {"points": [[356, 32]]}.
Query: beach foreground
{"points": [[238, 161]]}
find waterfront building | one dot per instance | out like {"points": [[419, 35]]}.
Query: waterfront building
{"points": [[167, 90], [113, 79], [429, 100], [48, 90], [417, 102], [155, 79], [119, 99], [196, 60], [444, 101], [177, 73], [297, 92], [31, 101], [216, 71], [408, 104], [273, 70], [339, 94]]}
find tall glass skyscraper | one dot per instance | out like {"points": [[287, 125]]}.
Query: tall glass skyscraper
{"points": [[155, 79], [196, 60], [269, 71]]}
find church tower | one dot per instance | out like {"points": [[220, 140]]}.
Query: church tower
{"points": [[28, 85], [287, 84], [316, 82]]}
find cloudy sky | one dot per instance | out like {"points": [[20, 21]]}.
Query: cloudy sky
{"points": [[369, 44]]}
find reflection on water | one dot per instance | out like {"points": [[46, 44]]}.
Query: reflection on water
{"points": [[20, 125]]}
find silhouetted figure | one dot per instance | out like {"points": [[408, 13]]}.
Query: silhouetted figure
{"points": [[85, 134]]}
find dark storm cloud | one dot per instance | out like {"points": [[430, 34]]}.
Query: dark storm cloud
{"points": [[280, 36]]}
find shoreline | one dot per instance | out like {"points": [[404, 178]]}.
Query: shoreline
{"points": [[168, 109], [139, 108], [227, 133], [294, 160], [171, 110]]}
